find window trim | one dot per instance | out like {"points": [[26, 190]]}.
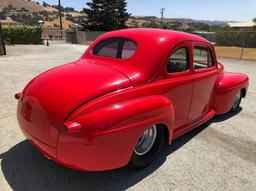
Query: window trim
{"points": [[207, 46], [173, 50], [121, 41]]}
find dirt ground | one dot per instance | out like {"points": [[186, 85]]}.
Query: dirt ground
{"points": [[219, 155], [236, 52]]}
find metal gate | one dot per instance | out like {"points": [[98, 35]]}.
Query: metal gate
{"points": [[2, 45]]}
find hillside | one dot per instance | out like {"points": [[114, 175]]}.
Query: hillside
{"points": [[30, 12], [28, 5]]}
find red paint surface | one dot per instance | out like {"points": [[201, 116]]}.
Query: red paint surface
{"points": [[114, 100]]}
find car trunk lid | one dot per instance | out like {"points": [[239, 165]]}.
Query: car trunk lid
{"points": [[49, 98]]}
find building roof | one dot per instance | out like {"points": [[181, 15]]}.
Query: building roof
{"points": [[242, 24]]}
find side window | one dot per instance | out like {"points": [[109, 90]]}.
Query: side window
{"points": [[129, 49], [202, 57], [115, 48], [107, 49], [179, 61]]}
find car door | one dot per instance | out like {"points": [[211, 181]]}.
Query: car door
{"points": [[204, 76], [179, 77]]}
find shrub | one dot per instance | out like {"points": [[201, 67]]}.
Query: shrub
{"points": [[22, 35]]}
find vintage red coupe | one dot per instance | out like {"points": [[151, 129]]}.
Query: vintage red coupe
{"points": [[130, 93]]}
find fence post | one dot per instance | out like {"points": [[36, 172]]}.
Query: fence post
{"points": [[2, 43], [243, 46]]}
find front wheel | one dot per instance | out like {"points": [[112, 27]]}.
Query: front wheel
{"points": [[237, 101], [148, 147]]}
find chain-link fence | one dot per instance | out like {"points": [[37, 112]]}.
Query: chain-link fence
{"points": [[233, 44], [82, 37], [2, 44], [231, 38], [226, 38]]}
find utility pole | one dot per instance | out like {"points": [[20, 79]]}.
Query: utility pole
{"points": [[60, 13], [162, 16]]}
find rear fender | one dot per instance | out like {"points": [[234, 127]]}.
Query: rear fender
{"points": [[109, 134], [226, 87], [124, 114]]}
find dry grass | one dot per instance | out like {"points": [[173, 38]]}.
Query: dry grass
{"points": [[235, 52], [56, 22], [76, 14], [50, 9], [31, 6]]}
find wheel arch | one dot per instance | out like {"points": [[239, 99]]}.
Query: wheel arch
{"points": [[168, 132], [244, 92]]}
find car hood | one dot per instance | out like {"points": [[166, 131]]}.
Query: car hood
{"points": [[49, 98]]}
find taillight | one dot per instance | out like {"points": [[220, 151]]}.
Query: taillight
{"points": [[72, 127], [17, 96]]}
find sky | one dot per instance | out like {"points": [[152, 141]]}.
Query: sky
{"points": [[227, 10]]}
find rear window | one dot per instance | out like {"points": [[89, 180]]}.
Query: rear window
{"points": [[115, 48]]}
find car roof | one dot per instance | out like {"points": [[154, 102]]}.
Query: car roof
{"points": [[152, 46], [154, 35]]}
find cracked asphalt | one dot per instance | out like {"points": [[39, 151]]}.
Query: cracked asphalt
{"points": [[219, 155]]}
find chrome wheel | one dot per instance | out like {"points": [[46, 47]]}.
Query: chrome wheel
{"points": [[146, 141], [237, 100]]}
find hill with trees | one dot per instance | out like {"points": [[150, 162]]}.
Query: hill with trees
{"points": [[19, 4], [98, 15], [30, 12]]}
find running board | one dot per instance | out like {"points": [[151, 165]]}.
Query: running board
{"points": [[186, 128]]}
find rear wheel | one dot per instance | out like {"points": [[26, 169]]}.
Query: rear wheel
{"points": [[237, 101], [148, 147]]}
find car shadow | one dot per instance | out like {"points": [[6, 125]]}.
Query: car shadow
{"points": [[26, 169]]}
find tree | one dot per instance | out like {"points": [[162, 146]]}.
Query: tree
{"points": [[2, 16], [106, 15], [45, 4], [254, 27]]}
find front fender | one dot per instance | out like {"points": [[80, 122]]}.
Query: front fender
{"points": [[110, 133], [226, 87]]}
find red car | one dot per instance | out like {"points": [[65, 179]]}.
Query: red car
{"points": [[131, 92]]}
